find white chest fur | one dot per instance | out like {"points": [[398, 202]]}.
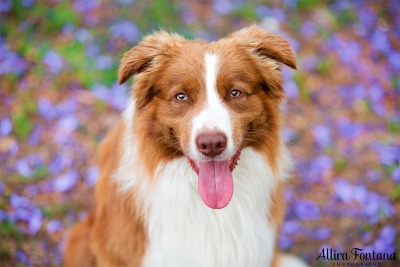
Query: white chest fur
{"points": [[183, 231]]}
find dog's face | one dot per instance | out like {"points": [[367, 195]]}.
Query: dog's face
{"points": [[207, 101]]}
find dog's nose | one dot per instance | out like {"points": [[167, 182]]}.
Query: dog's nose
{"points": [[211, 144]]}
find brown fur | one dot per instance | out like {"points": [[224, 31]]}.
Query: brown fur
{"points": [[165, 65]]}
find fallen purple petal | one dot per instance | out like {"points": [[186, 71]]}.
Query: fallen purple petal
{"points": [[5, 126], [53, 61], [66, 181]]}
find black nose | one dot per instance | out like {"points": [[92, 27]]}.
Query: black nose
{"points": [[211, 144]]}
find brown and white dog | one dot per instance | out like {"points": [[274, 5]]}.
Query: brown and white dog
{"points": [[172, 190]]}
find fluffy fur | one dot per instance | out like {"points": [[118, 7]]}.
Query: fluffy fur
{"points": [[148, 208]]}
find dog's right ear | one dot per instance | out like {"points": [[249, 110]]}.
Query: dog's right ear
{"points": [[145, 54]]}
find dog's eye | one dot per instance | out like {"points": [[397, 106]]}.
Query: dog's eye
{"points": [[181, 97], [235, 93]]}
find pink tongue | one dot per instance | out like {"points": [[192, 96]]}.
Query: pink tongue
{"points": [[215, 183]]}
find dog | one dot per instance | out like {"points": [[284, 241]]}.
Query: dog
{"points": [[193, 174]]}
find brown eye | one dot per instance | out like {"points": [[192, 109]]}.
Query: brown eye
{"points": [[181, 97], [235, 93]]}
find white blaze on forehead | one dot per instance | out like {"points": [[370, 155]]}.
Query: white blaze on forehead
{"points": [[214, 115]]}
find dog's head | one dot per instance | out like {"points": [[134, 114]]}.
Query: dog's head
{"points": [[207, 101]]}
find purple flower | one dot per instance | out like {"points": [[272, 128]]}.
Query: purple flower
{"points": [[23, 168], [367, 17], [22, 257], [264, 12], [386, 240], [376, 96], [308, 29], [101, 92], [288, 134], [359, 29], [376, 93], [66, 181], [92, 50], [5, 126], [3, 215], [347, 192], [17, 202], [205, 35], [104, 62], [46, 109], [26, 166], [83, 35], [22, 214], [59, 163], [85, 6], [32, 190], [291, 89], [348, 129], [322, 135], [223, 7], [396, 174], [321, 233], [288, 194], [306, 210], [53, 61], [388, 154], [359, 92], [290, 227], [380, 40], [34, 159], [309, 62], [126, 30], [56, 165], [366, 237], [188, 16], [394, 60], [10, 62], [35, 221], [14, 148], [285, 242], [28, 3], [1, 188], [68, 123], [373, 175], [92, 175], [68, 106], [117, 96], [375, 207], [54, 226], [34, 137], [5, 6], [319, 166]]}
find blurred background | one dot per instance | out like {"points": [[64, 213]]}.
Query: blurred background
{"points": [[59, 97]]}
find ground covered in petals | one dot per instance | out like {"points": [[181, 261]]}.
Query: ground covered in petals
{"points": [[59, 97]]}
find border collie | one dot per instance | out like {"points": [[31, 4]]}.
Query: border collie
{"points": [[193, 173]]}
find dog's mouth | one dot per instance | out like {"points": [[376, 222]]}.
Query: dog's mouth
{"points": [[215, 182]]}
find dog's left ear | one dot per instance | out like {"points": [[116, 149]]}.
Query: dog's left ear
{"points": [[266, 44]]}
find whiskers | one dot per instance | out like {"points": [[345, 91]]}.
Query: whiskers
{"points": [[169, 143]]}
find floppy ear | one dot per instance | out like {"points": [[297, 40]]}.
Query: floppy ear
{"points": [[145, 54], [267, 50], [266, 44]]}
